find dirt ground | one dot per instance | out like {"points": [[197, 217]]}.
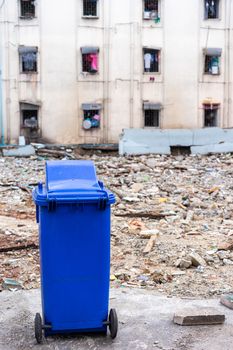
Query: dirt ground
{"points": [[172, 225]]}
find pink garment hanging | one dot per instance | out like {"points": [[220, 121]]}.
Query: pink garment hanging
{"points": [[94, 62], [96, 117]]}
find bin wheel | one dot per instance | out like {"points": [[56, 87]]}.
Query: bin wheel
{"points": [[38, 328], [113, 323]]}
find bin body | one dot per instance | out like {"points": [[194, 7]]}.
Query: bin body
{"points": [[73, 211]]}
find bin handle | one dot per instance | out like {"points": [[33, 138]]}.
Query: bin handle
{"points": [[101, 185]]}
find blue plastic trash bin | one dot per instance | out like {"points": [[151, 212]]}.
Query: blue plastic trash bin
{"points": [[73, 212]]}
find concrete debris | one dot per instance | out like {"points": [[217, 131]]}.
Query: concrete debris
{"points": [[197, 141], [11, 284], [131, 199], [182, 208], [226, 245], [22, 151], [150, 245], [137, 187], [149, 233], [184, 263], [227, 300], [199, 316], [197, 260], [227, 262]]}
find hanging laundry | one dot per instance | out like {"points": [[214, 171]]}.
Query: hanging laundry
{"points": [[94, 62], [31, 122], [96, 117], [95, 123], [211, 8], [147, 61], [91, 119], [214, 65], [29, 60]]}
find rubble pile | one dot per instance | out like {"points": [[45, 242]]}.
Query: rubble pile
{"points": [[172, 225]]}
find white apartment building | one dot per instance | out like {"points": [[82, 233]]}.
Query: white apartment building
{"points": [[80, 71]]}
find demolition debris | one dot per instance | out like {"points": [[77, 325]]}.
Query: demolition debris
{"points": [[172, 226]]}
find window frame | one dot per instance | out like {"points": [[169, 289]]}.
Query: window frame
{"points": [[90, 16], [212, 107], [159, 52], [94, 109], [215, 54], [23, 17], [149, 18], [90, 51], [151, 108], [23, 118], [206, 72], [218, 17], [21, 53]]}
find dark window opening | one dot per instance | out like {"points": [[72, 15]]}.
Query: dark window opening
{"points": [[90, 60], [27, 8], [211, 115], [212, 65], [151, 9], [90, 8], [29, 122], [152, 118], [211, 9], [29, 62], [151, 60], [28, 59], [30, 119], [91, 119]]}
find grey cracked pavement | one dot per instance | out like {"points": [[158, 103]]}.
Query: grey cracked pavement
{"points": [[145, 322]]}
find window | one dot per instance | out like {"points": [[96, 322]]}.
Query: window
{"points": [[151, 60], [29, 126], [91, 115], [211, 9], [90, 57], [28, 59], [152, 115], [27, 8], [212, 61], [211, 112], [152, 118], [151, 10], [90, 8], [30, 119]]}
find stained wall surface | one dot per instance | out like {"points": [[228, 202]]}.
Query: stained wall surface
{"points": [[121, 86]]}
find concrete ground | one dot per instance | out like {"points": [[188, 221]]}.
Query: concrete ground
{"points": [[145, 322]]}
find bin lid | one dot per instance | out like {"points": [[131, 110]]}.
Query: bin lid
{"points": [[71, 182]]}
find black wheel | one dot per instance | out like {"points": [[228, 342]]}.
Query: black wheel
{"points": [[38, 328], [113, 323]]}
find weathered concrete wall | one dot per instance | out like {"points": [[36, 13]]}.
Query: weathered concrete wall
{"points": [[200, 141], [120, 32]]}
